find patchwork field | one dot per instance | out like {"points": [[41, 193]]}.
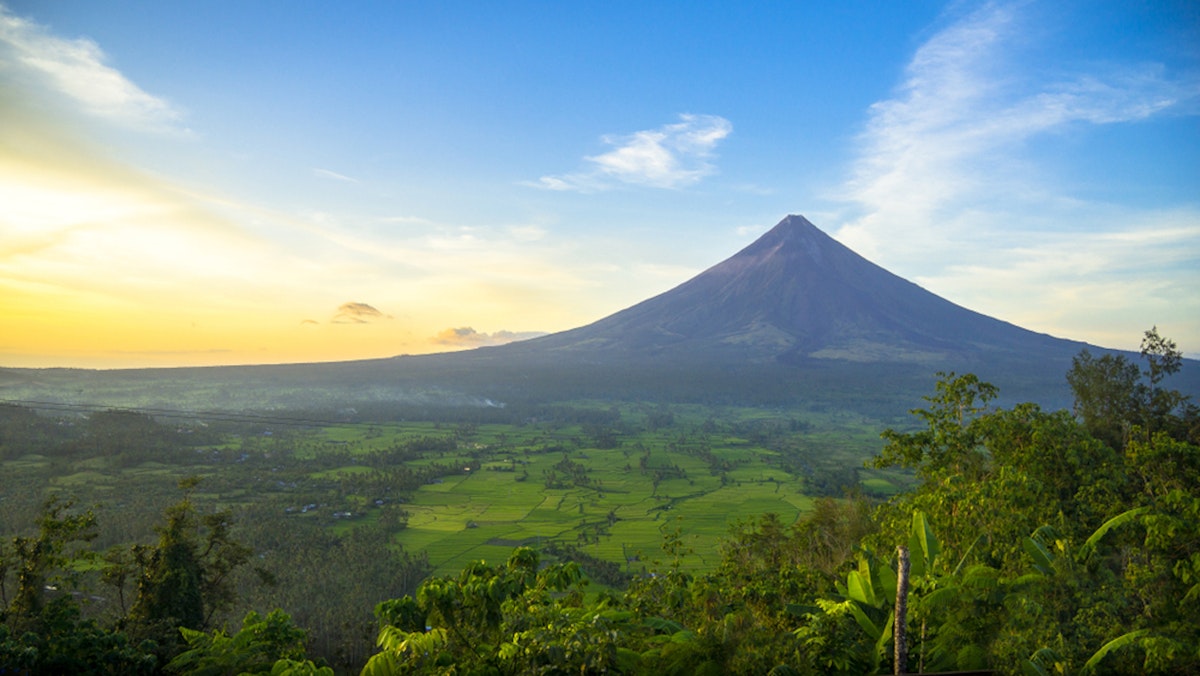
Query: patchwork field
{"points": [[612, 494], [610, 484]]}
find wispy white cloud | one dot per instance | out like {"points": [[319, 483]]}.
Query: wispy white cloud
{"points": [[947, 137], [672, 156], [1103, 286], [942, 189], [405, 220], [76, 68], [325, 173]]}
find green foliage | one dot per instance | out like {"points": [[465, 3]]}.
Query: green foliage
{"points": [[516, 619], [403, 613], [1116, 644], [949, 443], [821, 541], [513, 618], [53, 637], [1113, 398], [328, 581], [45, 560], [833, 641], [407, 651], [1107, 574], [288, 667], [256, 648], [1026, 468], [1106, 390], [185, 577], [923, 541], [872, 592], [59, 641]]}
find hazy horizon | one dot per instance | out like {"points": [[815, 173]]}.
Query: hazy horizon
{"points": [[250, 184]]}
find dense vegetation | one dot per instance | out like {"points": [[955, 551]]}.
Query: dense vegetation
{"points": [[1038, 542]]}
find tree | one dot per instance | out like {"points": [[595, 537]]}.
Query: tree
{"points": [[43, 560], [1105, 390], [1110, 579], [59, 641], [949, 444], [511, 618], [1113, 397], [185, 577], [262, 644], [1161, 406], [43, 631], [1162, 356]]}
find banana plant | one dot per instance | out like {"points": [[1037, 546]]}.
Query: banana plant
{"points": [[939, 591], [921, 539], [870, 592], [1051, 555]]}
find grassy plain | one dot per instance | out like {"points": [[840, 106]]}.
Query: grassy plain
{"points": [[613, 490], [611, 482]]}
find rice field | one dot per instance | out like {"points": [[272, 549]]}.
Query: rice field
{"points": [[612, 493], [626, 499]]}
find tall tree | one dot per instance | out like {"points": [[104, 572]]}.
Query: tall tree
{"points": [[44, 559], [1105, 390], [1161, 407], [1113, 397], [185, 576], [949, 445]]}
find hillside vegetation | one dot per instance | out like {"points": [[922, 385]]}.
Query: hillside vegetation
{"points": [[632, 538]]}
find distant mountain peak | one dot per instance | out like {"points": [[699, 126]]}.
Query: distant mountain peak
{"points": [[794, 225], [797, 293], [792, 235]]}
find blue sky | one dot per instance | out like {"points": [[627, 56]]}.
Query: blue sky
{"points": [[228, 182]]}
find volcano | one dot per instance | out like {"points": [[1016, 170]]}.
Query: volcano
{"points": [[797, 294], [794, 316]]}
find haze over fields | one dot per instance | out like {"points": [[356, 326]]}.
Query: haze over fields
{"points": [[233, 183]]}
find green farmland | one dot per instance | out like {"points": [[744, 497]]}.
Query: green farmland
{"points": [[345, 514], [485, 511], [610, 486], [610, 493]]}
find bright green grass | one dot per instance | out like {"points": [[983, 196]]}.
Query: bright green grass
{"points": [[344, 526], [879, 486], [483, 514]]}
